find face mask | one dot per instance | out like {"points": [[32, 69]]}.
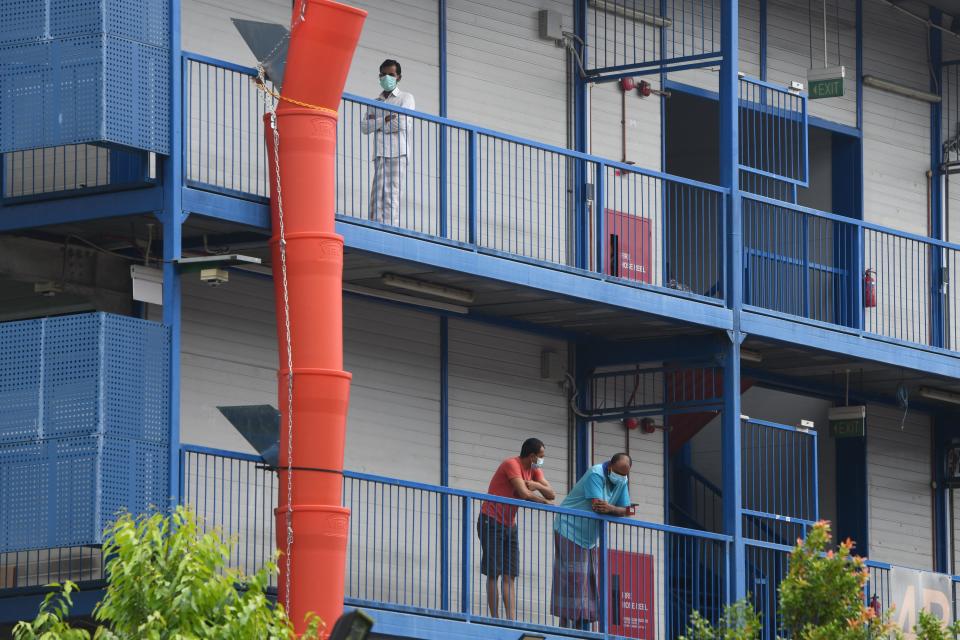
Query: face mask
{"points": [[388, 83], [538, 464], [616, 478]]}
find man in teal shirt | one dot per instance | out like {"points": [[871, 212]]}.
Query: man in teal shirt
{"points": [[603, 489]]}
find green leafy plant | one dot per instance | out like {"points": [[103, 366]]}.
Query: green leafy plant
{"points": [[929, 627], [166, 580], [821, 597], [739, 621]]}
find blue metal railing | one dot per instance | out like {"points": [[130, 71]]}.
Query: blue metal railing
{"points": [[825, 267], [778, 481], [504, 195], [472, 186], [633, 35], [237, 493], [35, 568], [223, 128], [773, 132], [414, 547], [699, 500], [520, 198], [71, 170]]}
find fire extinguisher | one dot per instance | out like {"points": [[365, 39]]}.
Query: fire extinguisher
{"points": [[870, 288]]}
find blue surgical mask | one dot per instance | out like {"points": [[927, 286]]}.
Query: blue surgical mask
{"points": [[538, 464], [616, 478], [388, 83]]}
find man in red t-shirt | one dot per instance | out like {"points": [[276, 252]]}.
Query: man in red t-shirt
{"points": [[520, 478]]}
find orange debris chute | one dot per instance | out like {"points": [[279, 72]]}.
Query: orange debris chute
{"points": [[307, 271]]}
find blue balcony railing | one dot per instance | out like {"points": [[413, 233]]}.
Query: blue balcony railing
{"points": [[833, 269], [475, 187], [487, 191], [414, 547]]}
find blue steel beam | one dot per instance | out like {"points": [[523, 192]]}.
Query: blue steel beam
{"points": [[81, 208], [224, 207], [590, 287], [849, 342]]}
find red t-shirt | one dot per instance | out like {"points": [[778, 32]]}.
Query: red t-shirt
{"points": [[510, 468]]}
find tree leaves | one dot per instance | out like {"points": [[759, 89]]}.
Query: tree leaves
{"points": [[167, 580]]}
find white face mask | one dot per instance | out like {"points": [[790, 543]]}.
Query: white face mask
{"points": [[616, 478], [538, 464]]}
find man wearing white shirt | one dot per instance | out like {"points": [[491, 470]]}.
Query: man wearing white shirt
{"points": [[389, 146]]}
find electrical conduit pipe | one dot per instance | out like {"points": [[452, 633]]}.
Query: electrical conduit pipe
{"points": [[323, 38]]}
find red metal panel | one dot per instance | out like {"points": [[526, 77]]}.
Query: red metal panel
{"points": [[632, 598], [627, 253]]}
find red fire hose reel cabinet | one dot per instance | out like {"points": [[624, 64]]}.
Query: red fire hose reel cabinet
{"points": [[632, 595], [628, 247]]}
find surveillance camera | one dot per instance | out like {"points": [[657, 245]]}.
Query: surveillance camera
{"points": [[214, 277]]}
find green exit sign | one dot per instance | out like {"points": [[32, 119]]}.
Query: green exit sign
{"points": [[847, 428], [825, 83], [848, 422], [826, 88]]}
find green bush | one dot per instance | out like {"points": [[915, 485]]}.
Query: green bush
{"points": [[166, 580]]}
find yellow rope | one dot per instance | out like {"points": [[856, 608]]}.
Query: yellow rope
{"points": [[263, 87]]}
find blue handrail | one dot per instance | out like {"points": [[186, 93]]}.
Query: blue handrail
{"points": [[402, 557]]}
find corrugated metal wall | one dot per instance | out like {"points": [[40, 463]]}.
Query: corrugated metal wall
{"points": [[896, 130], [498, 399], [229, 358], [900, 510]]}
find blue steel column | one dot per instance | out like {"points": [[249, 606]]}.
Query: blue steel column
{"points": [[582, 453], [763, 53], [729, 170], [583, 457], [442, 159], [580, 115], [172, 219], [444, 465], [941, 443], [936, 209]]}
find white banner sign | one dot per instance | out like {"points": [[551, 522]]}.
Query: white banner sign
{"points": [[911, 591]]}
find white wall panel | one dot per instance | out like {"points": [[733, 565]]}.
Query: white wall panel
{"points": [[229, 358], [498, 400], [900, 509]]}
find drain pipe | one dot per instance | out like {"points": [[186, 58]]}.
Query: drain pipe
{"points": [[307, 254]]}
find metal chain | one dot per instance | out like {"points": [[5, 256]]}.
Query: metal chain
{"points": [[288, 340], [271, 109]]}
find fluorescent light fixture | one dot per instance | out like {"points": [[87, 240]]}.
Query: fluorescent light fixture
{"points": [[618, 9], [940, 395], [427, 288], [857, 412], [899, 89], [400, 297], [370, 292], [750, 356], [47, 288]]}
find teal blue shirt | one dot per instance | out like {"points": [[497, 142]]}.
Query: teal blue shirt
{"points": [[593, 485]]}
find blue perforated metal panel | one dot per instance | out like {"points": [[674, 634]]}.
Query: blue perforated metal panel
{"points": [[146, 21], [84, 71], [84, 433], [84, 89]]}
